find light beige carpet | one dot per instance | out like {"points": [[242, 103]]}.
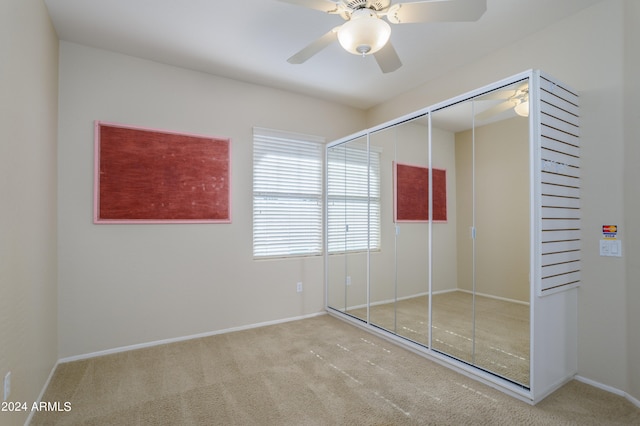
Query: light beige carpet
{"points": [[501, 330], [317, 371]]}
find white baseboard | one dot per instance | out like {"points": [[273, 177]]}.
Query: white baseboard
{"points": [[607, 388], [183, 338], [384, 302], [491, 296]]}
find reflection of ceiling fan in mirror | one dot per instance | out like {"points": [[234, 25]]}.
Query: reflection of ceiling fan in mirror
{"points": [[366, 33], [516, 99]]}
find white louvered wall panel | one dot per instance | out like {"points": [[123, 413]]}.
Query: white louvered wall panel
{"points": [[560, 187]]}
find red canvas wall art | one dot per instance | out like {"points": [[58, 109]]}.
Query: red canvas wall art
{"points": [[411, 197], [150, 176]]}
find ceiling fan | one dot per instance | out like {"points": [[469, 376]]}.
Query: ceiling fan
{"points": [[516, 99], [366, 33]]}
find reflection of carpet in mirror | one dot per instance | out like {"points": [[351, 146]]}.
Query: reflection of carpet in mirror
{"points": [[501, 329]]}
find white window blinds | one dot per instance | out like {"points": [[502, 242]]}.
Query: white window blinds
{"points": [[353, 200], [287, 194]]}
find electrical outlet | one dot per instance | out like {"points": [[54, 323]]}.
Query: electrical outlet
{"points": [[348, 280], [7, 385], [299, 287]]}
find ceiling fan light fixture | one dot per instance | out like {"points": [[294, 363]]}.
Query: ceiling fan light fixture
{"points": [[522, 109], [365, 33]]}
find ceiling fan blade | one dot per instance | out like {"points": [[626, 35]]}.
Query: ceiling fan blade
{"points": [[518, 92], [437, 11], [387, 58], [314, 47], [321, 5], [501, 107]]}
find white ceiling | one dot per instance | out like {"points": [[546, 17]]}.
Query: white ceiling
{"points": [[250, 40]]}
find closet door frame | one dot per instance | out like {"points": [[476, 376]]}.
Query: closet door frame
{"points": [[553, 309]]}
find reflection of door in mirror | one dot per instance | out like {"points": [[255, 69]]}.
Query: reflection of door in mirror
{"points": [[349, 211]]}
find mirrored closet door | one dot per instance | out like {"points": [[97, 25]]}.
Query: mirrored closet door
{"points": [[480, 288], [502, 222], [428, 230], [399, 273], [452, 303]]}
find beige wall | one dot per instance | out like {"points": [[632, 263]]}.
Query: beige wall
{"points": [[631, 177], [587, 52], [123, 285], [28, 122]]}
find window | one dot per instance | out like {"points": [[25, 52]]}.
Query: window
{"points": [[287, 194], [353, 199]]}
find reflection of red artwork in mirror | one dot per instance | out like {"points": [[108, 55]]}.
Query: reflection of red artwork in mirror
{"points": [[153, 176], [411, 197]]}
